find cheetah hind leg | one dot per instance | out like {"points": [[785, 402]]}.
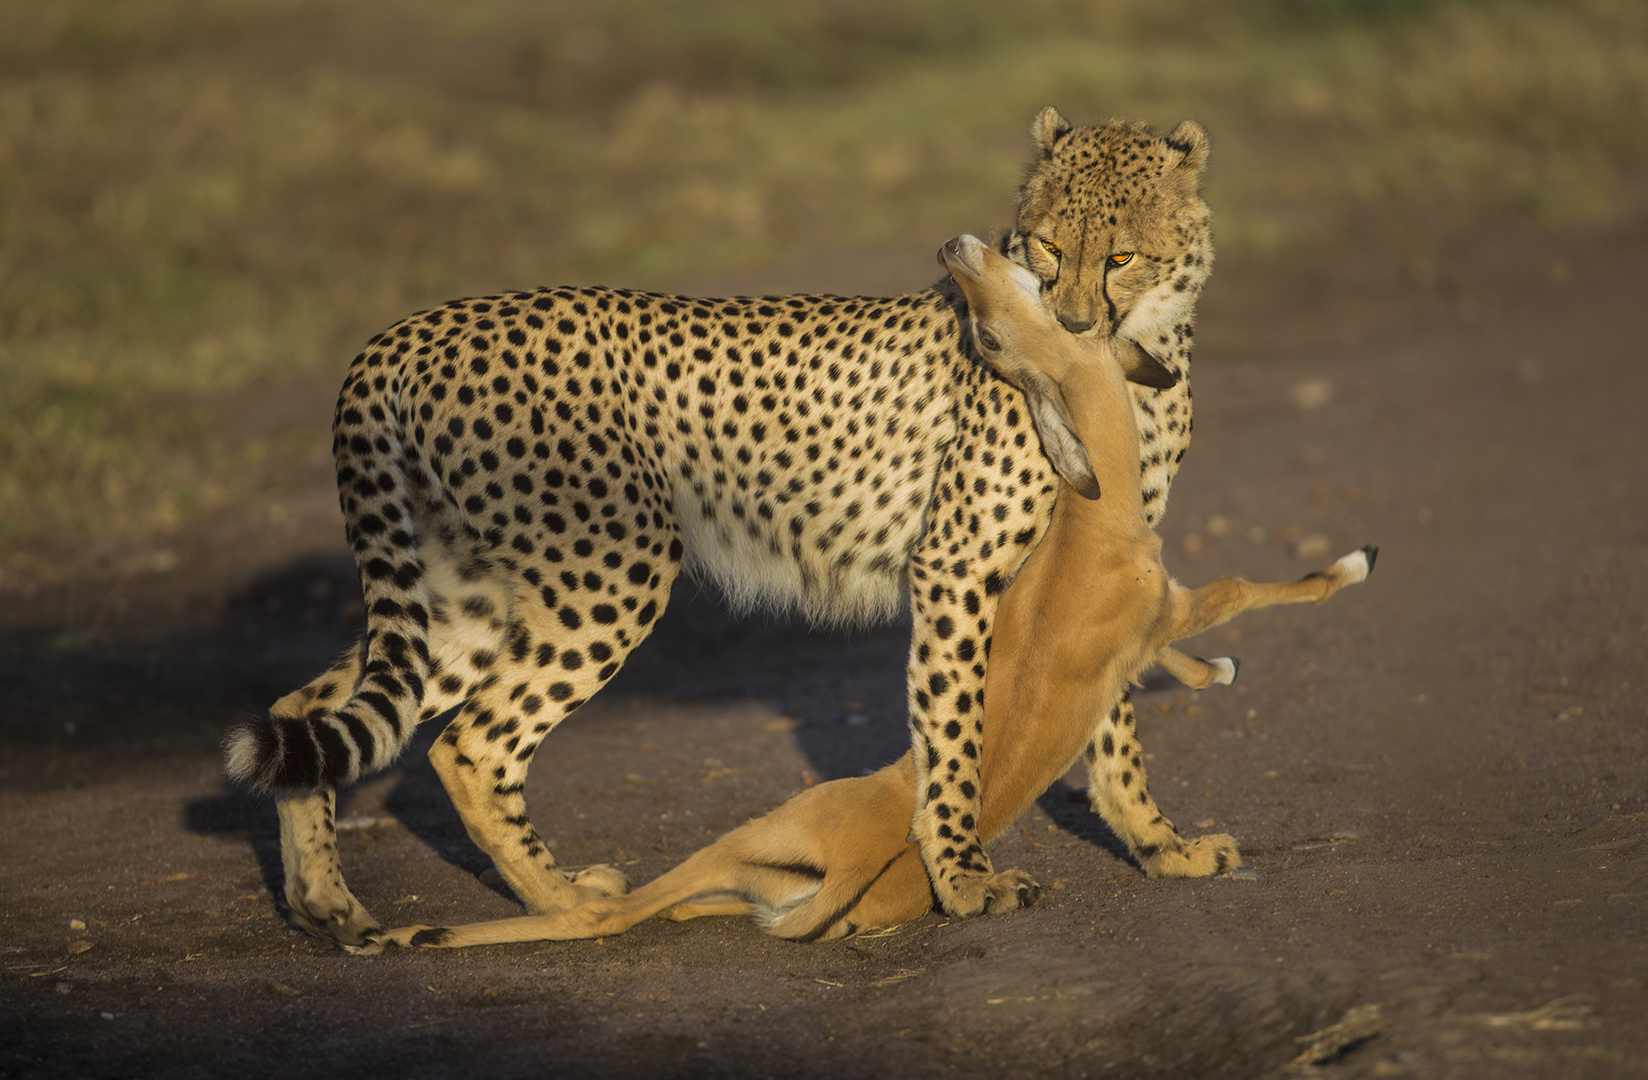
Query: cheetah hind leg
{"points": [[316, 896], [317, 899], [487, 787], [1118, 792]]}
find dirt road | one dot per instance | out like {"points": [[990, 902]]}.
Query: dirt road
{"points": [[1438, 778]]}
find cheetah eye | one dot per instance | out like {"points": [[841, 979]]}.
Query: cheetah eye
{"points": [[988, 340], [1050, 247], [1121, 258]]}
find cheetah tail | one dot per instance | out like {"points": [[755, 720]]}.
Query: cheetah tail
{"points": [[305, 743]]}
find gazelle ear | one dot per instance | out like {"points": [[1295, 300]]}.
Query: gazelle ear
{"points": [[1058, 433], [1047, 129], [1142, 368]]}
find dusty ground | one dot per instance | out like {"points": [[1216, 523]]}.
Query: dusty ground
{"points": [[1438, 777]]}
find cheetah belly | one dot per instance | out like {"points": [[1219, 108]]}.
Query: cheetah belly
{"points": [[836, 556]]}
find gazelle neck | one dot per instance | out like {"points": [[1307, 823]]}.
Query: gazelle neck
{"points": [[1101, 405]]}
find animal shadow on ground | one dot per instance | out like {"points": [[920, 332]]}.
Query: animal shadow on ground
{"points": [[844, 689]]}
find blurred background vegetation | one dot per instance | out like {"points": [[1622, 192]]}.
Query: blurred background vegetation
{"points": [[202, 202]]}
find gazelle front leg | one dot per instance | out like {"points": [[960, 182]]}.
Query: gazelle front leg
{"points": [[1196, 673]]}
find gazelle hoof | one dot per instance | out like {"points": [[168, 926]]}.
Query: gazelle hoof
{"points": [[1225, 669], [1356, 566]]}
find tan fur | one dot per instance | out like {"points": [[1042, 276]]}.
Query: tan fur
{"points": [[1090, 608]]}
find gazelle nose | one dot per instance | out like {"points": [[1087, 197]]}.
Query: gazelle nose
{"points": [[1074, 325]]}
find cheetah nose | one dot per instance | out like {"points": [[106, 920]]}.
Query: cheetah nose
{"points": [[1075, 325]]}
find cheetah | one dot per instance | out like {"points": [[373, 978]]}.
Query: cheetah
{"points": [[1090, 607], [524, 476]]}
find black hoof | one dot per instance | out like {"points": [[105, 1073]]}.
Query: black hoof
{"points": [[1372, 553], [1236, 662], [434, 936]]}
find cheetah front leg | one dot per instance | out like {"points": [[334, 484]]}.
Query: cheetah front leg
{"points": [[1118, 792], [954, 603]]}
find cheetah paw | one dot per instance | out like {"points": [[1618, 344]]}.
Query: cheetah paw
{"points": [[550, 890], [330, 914], [991, 893], [1205, 856], [601, 880], [574, 889]]}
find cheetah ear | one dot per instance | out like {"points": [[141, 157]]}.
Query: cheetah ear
{"points": [[1190, 140], [1047, 129], [1058, 433], [1142, 368]]}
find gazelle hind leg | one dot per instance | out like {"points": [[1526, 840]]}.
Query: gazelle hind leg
{"points": [[726, 878], [1118, 791]]}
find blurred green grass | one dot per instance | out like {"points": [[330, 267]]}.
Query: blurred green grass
{"points": [[203, 200]]}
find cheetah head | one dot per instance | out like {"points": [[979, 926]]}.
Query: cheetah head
{"points": [[1111, 222]]}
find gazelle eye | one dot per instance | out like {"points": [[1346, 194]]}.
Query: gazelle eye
{"points": [[1050, 247], [1121, 258], [988, 340]]}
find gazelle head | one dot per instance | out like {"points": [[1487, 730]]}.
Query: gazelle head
{"points": [[1023, 341]]}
